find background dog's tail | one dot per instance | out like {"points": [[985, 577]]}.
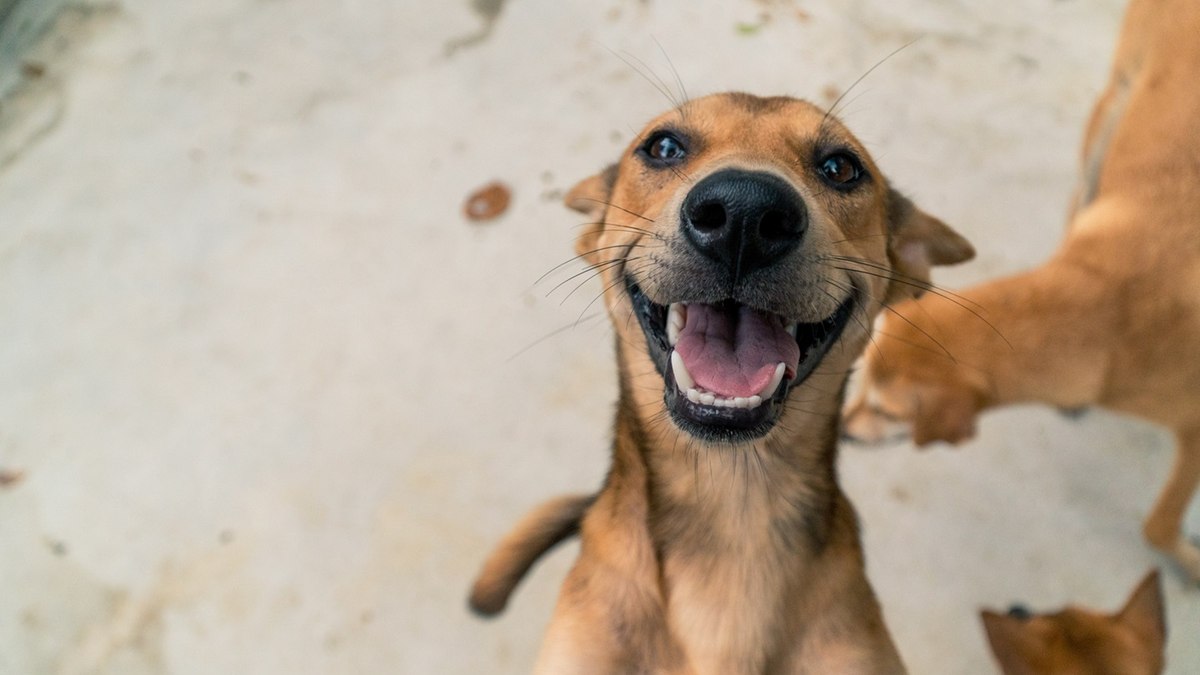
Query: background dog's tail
{"points": [[539, 531]]}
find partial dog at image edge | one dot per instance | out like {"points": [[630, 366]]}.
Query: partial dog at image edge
{"points": [[1078, 641], [1112, 319], [744, 245]]}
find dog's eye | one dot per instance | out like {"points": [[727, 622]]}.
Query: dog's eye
{"points": [[664, 148], [841, 170]]}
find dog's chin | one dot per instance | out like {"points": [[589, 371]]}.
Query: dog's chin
{"points": [[708, 413]]}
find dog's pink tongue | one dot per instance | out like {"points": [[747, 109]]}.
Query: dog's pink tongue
{"points": [[734, 352]]}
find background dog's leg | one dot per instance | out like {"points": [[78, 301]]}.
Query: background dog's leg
{"points": [[1164, 526]]}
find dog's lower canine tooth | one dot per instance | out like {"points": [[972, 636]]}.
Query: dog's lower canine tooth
{"points": [[769, 390], [682, 377]]}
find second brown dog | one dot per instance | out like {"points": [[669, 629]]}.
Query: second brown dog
{"points": [[1113, 319]]}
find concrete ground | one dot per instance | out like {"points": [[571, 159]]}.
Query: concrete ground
{"points": [[267, 398]]}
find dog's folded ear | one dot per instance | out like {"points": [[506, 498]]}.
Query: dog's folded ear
{"points": [[590, 197], [917, 241]]}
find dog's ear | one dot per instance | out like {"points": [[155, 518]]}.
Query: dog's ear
{"points": [[1144, 611], [945, 414], [1017, 646], [590, 197], [917, 241]]}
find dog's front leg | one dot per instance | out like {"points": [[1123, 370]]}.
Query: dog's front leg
{"points": [[593, 631], [1164, 526], [577, 644]]}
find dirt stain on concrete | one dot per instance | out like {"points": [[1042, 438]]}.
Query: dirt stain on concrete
{"points": [[489, 11], [125, 632], [32, 109]]}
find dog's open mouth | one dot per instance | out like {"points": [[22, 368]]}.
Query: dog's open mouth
{"points": [[728, 367]]}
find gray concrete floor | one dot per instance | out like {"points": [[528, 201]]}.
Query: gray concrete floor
{"points": [[274, 398]]}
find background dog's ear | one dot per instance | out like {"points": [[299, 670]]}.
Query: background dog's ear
{"points": [[1017, 646], [945, 415], [1144, 611], [916, 242], [590, 197]]}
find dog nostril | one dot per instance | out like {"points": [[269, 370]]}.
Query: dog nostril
{"points": [[774, 226], [709, 217]]}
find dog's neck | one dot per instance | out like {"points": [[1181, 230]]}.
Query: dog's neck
{"points": [[772, 494], [732, 527]]}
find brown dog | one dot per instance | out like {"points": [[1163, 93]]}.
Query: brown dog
{"points": [[1078, 641], [745, 245], [1113, 319]]}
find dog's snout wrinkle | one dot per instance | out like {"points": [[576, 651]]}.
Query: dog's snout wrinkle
{"points": [[743, 220]]}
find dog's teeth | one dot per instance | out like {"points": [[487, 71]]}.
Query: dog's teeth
{"points": [[682, 377], [791, 328], [698, 395], [769, 390], [674, 322]]}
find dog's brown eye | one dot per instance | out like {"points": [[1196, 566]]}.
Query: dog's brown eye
{"points": [[841, 170], [664, 149]]}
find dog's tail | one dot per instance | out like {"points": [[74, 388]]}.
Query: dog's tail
{"points": [[539, 531]]}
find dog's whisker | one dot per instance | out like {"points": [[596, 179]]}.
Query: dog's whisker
{"points": [[678, 80], [598, 268], [619, 208], [660, 85], [830, 111], [936, 291], [582, 256], [856, 315], [924, 284], [601, 294], [557, 331], [625, 227]]}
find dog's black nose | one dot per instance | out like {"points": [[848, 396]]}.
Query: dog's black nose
{"points": [[1019, 611], [745, 220]]}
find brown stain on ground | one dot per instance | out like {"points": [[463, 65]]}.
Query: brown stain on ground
{"points": [[489, 11], [36, 105], [10, 477], [121, 631], [488, 202]]}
